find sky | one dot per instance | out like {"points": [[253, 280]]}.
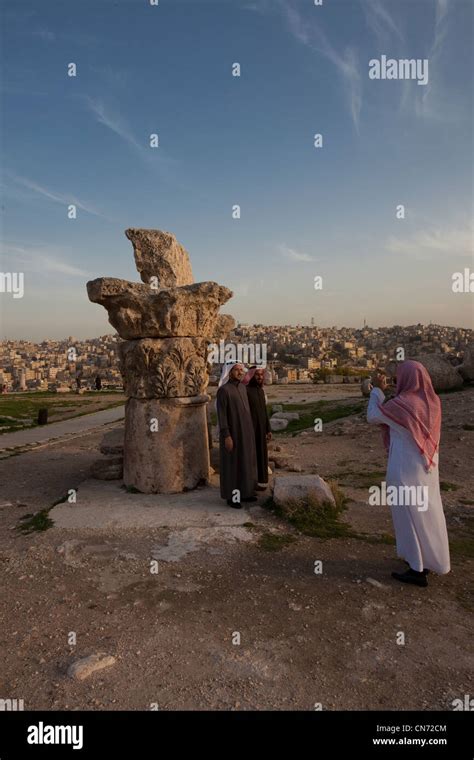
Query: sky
{"points": [[247, 140]]}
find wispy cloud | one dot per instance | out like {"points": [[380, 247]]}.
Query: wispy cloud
{"points": [[308, 33], [110, 118], [434, 242], [63, 199], [380, 21], [112, 121], [294, 255], [40, 259], [433, 100]]}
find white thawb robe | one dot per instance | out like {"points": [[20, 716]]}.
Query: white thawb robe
{"points": [[422, 538]]}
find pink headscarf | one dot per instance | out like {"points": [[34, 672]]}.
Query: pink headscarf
{"points": [[416, 407], [249, 375]]}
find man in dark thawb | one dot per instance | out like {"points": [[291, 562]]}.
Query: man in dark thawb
{"points": [[238, 464], [254, 380]]}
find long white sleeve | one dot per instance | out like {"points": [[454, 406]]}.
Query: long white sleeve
{"points": [[374, 415]]}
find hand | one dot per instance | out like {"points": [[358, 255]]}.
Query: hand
{"points": [[269, 436], [229, 443], [380, 381]]}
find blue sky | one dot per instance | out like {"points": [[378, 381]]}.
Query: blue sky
{"points": [[245, 140]]}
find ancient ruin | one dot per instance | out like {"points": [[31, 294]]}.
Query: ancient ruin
{"points": [[166, 323]]}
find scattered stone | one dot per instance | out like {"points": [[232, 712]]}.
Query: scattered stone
{"points": [[278, 424], [69, 550], [466, 369], [112, 442], [84, 667], [290, 416], [277, 408], [375, 583], [280, 462], [443, 375], [300, 488], [295, 468]]}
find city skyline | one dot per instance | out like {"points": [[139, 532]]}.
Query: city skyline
{"points": [[224, 140]]}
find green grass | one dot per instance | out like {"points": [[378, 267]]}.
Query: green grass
{"points": [[467, 502], [130, 489], [462, 548], [19, 411], [358, 479], [37, 522], [273, 542], [40, 521], [327, 411], [461, 539], [324, 520], [445, 486], [321, 520]]}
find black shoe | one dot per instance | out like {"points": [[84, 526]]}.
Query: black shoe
{"points": [[425, 572], [234, 504], [411, 576], [250, 498]]}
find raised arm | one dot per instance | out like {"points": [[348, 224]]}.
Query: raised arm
{"points": [[374, 413]]}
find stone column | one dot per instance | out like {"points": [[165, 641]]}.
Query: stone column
{"points": [[165, 448], [166, 323], [175, 456]]}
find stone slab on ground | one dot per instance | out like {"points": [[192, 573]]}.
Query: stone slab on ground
{"points": [[105, 505]]}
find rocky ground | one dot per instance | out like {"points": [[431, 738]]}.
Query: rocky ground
{"points": [[243, 623]]}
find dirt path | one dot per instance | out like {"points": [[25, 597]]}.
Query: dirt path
{"points": [[305, 638]]}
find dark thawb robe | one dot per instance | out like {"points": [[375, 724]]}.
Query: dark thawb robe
{"points": [[238, 468], [261, 426]]}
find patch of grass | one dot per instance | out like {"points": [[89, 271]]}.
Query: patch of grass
{"points": [[361, 479], [37, 522], [461, 540], [462, 548], [40, 521], [467, 502], [445, 486], [327, 411], [20, 410], [273, 542], [130, 489], [249, 525], [312, 518]]}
